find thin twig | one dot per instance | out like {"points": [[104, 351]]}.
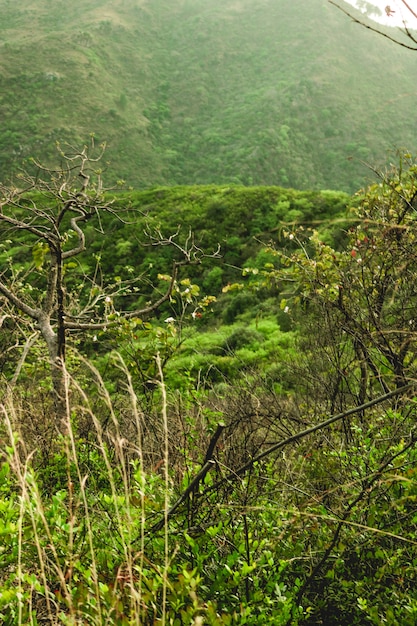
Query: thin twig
{"points": [[406, 31], [308, 431]]}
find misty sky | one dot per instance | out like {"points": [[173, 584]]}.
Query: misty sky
{"points": [[400, 11]]}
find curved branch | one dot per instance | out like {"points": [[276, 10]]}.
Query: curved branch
{"points": [[18, 303], [162, 299], [81, 237], [20, 225]]}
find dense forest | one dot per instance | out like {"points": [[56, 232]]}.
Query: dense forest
{"points": [[207, 387], [196, 92]]}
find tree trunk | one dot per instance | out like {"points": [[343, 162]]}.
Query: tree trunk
{"points": [[58, 375]]}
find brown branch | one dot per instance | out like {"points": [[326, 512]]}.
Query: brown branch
{"points": [[409, 8], [52, 280], [191, 487], [20, 225], [130, 314], [162, 299], [208, 464], [308, 431], [377, 30], [213, 441], [18, 303]]}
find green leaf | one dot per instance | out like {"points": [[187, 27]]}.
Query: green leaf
{"points": [[39, 251]]}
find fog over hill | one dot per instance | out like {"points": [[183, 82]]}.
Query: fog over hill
{"points": [[190, 91]]}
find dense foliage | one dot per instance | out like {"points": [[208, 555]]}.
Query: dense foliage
{"points": [[203, 92], [245, 461]]}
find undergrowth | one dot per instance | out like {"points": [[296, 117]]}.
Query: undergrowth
{"points": [[101, 529]]}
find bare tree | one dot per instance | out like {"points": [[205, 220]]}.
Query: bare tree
{"points": [[403, 36], [48, 216]]}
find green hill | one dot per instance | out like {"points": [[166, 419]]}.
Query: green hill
{"points": [[184, 91]]}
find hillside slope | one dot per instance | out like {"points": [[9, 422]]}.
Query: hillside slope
{"points": [[185, 91]]}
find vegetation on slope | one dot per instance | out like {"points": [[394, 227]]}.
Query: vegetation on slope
{"points": [[195, 92], [176, 496]]}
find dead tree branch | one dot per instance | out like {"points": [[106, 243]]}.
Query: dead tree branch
{"points": [[308, 431], [405, 31]]}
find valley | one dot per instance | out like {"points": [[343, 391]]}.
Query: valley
{"points": [[208, 336]]}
